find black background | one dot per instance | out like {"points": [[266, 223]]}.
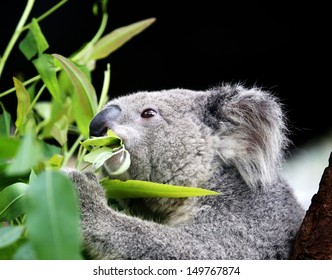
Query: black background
{"points": [[279, 46]]}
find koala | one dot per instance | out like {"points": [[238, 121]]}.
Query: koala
{"points": [[228, 139]]}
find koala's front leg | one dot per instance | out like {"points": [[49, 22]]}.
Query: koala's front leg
{"points": [[91, 195], [109, 234]]}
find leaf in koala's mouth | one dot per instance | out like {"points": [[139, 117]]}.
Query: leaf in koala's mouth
{"points": [[110, 140], [107, 148], [118, 163], [117, 189]]}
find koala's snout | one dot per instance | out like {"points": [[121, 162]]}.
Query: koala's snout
{"points": [[104, 120]]}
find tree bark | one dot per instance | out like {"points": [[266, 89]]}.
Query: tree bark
{"points": [[314, 238]]}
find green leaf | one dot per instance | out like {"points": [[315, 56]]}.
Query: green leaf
{"points": [[8, 252], [25, 252], [114, 40], [111, 139], [8, 147], [57, 121], [84, 99], [23, 105], [99, 155], [65, 83], [41, 42], [6, 180], [32, 176], [49, 150], [124, 163], [46, 68], [142, 189], [9, 235], [28, 46], [59, 130], [32, 90], [28, 154], [104, 148], [53, 217], [56, 161], [34, 42], [12, 201], [43, 108], [5, 120]]}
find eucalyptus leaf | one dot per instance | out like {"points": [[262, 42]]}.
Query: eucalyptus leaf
{"points": [[123, 163], [9, 235], [5, 120], [23, 105], [32, 90], [143, 189], [34, 43], [114, 40], [56, 161], [28, 154], [85, 99], [6, 180], [59, 118], [98, 156], [103, 149], [32, 176], [59, 130], [111, 139], [28, 46], [43, 108], [49, 150], [53, 217], [8, 147], [65, 83], [7, 252], [46, 68], [25, 252], [40, 39], [12, 201]]}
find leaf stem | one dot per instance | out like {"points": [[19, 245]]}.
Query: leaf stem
{"points": [[16, 34], [69, 154], [34, 101], [80, 155], [27, 82], [19, 29], [106, 85], [81, 54], [46, 14]]}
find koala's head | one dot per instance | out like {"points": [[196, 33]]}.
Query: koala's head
{"points": [[182, 137]]}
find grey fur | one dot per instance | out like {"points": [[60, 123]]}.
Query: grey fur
{"points": [[229, 139]]}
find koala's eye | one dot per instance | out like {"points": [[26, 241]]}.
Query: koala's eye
{"points": [[148, 113]]}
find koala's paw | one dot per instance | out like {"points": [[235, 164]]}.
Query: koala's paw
{"points": [[91, 194]]}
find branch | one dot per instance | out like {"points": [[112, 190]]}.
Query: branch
{"points": [[314, 238]]}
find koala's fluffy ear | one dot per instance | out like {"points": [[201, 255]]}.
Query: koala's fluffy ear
{"points": [[251, 128]]}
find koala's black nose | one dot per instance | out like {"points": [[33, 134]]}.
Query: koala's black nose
{"points": [[104, 120]]}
